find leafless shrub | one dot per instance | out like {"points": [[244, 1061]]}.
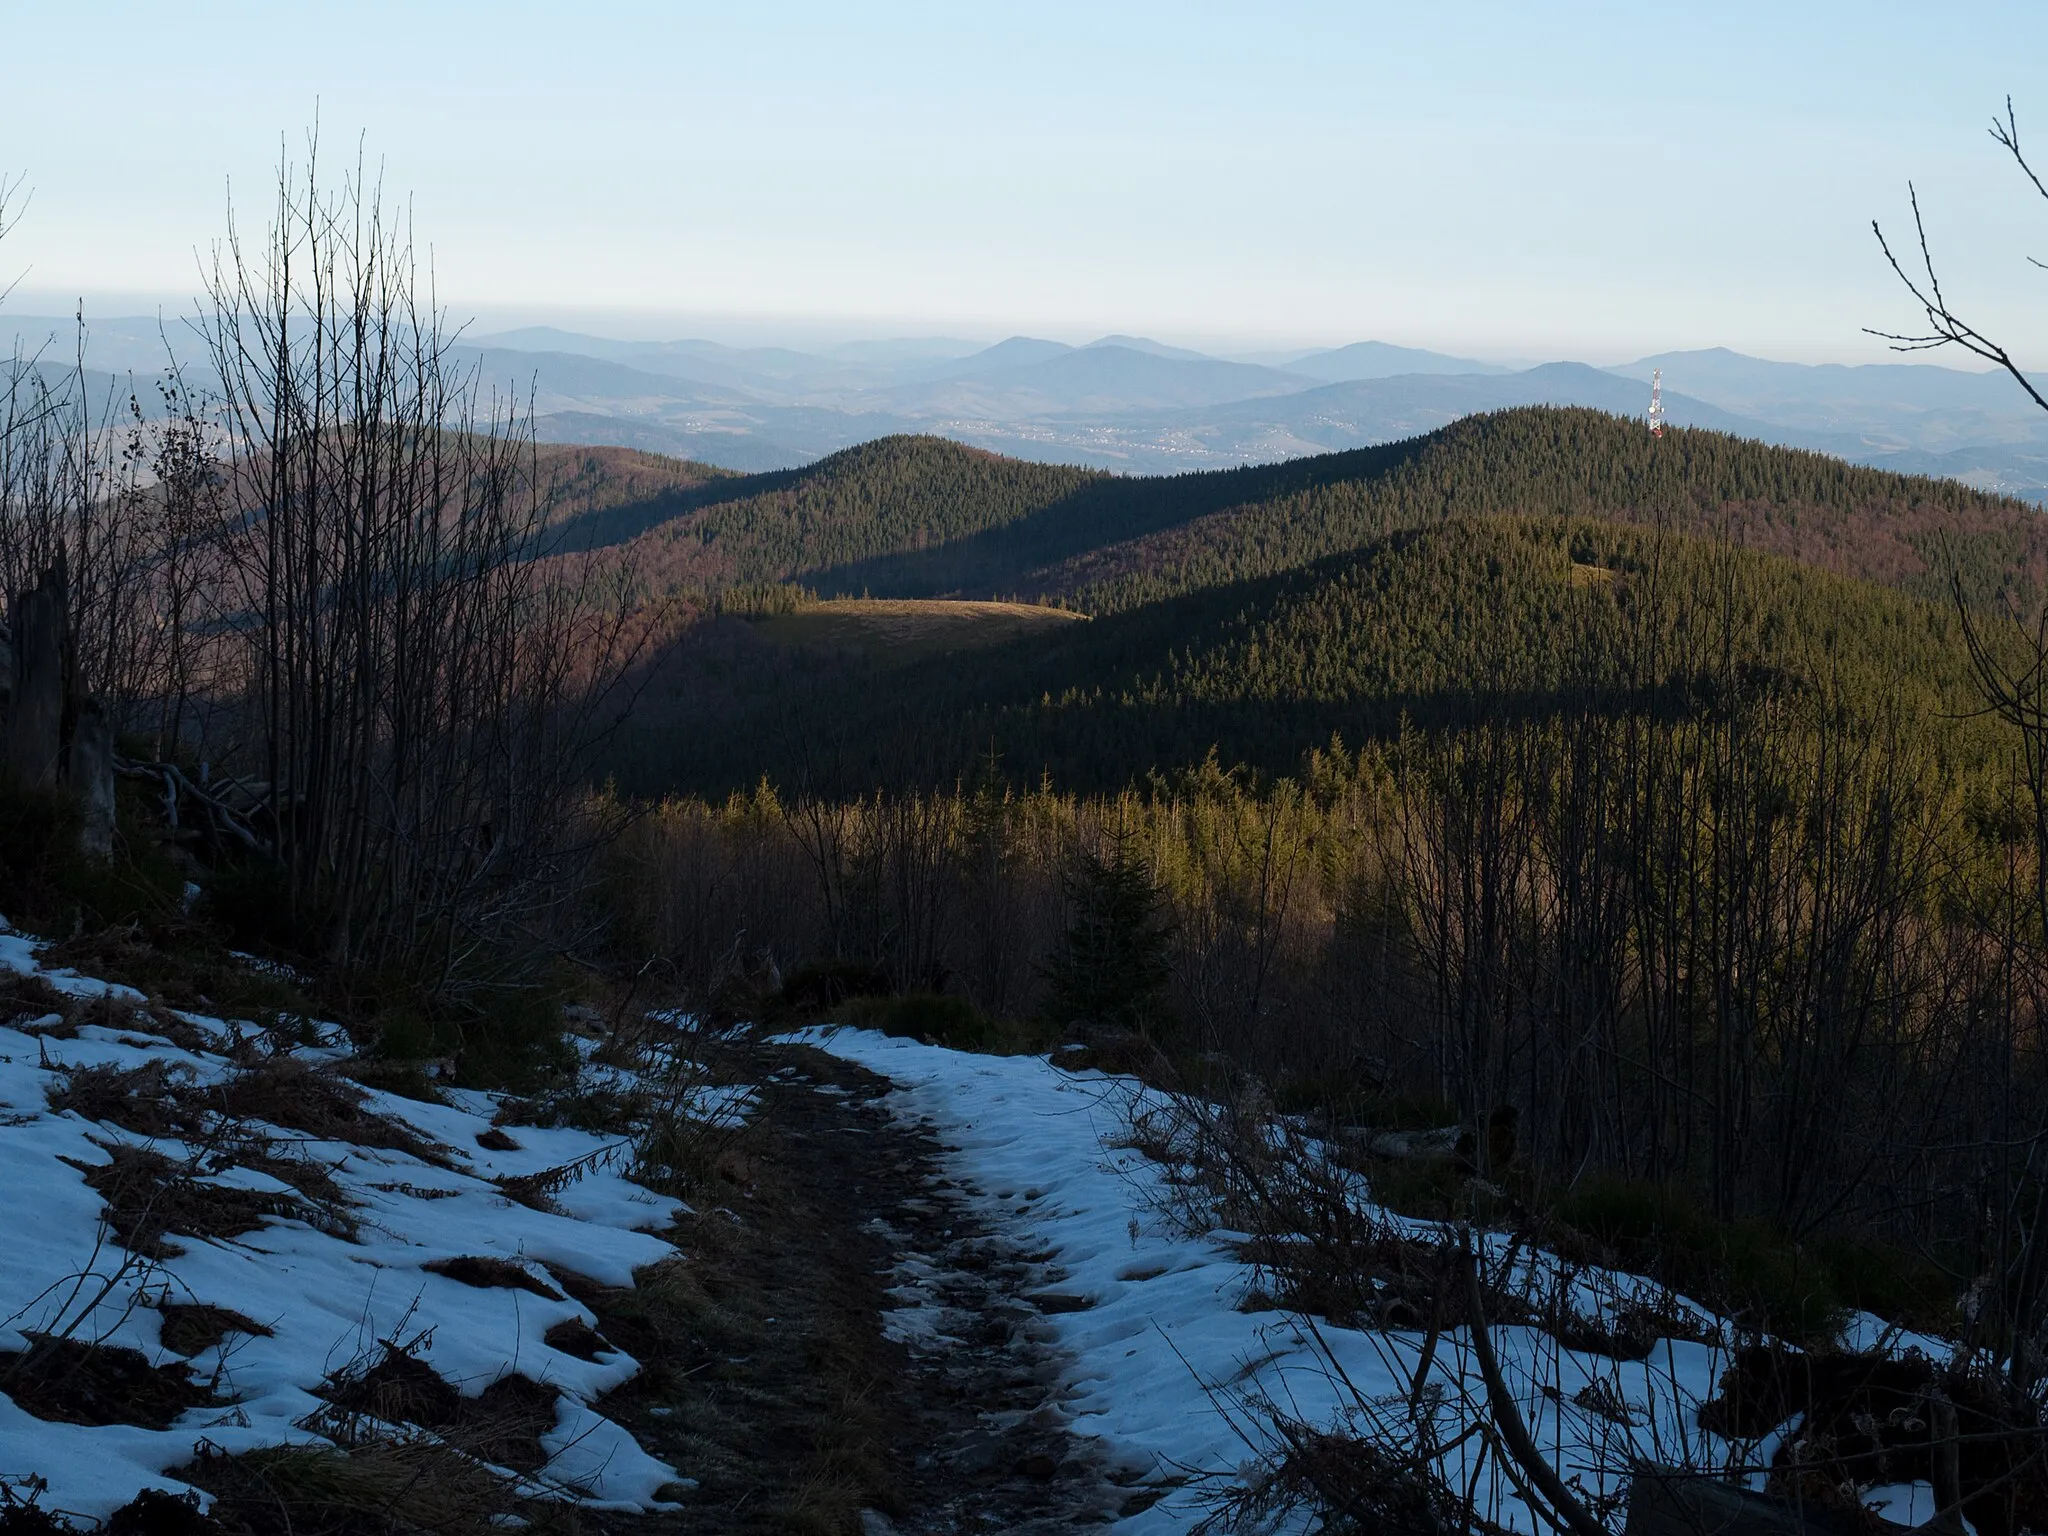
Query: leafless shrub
{"points": [[418, 681]]}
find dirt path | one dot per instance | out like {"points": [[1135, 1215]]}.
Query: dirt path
{"points": [[849, 1347]]}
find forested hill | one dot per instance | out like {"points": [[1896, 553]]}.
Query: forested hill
{"points": [[1133, 541], [927, 517], [1474, 618], [892, 494], [598, 496]]}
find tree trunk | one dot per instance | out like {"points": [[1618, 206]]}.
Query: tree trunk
{"points": [[34, 753]]}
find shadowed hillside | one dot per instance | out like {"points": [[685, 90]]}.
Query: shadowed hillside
{"points": [[1488, 617]]}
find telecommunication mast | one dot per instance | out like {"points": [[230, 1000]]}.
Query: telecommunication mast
{"points": [[1656, 402]]}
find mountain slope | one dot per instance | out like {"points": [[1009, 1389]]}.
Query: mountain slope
{"points": [[1475, 617], [1123, 541], [1753, 383], [896, 494], [565, 379]]}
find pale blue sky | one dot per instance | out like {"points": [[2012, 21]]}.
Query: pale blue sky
{"points": [[1596, 180]]}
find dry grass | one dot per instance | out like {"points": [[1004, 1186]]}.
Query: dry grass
{"points": [[317, 1103], [154, 1099], [902, 630], [492, 1274], [150, 1193], [501, 1425], [572, 1336], [382, 1487], [192, 1328], [27, 1001], [177, 961], [148, 1197], [1348, 1483], [407, 1079], [69, 1382]]}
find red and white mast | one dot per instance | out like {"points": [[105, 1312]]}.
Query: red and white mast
{"points": [[1656, 402]]}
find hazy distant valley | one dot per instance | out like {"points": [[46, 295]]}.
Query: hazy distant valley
{"points": [[1128, 403]]}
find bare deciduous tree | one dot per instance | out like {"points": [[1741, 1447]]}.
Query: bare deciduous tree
{"points": [[2009, 654], [419, 676]]}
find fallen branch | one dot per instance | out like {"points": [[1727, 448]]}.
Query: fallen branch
{"points": [[1565, 1509], [176, 784]]}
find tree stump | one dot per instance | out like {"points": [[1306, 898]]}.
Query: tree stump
{"points": [[53, 732], [34, 755], [90, 768]]}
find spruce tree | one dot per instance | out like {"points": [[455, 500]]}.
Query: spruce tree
{"points": [[1110, 968]]}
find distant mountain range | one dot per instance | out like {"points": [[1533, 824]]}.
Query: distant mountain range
{"points": [[1133, 404]]}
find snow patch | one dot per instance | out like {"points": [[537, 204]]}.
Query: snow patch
{"points": [[326, 1300]]}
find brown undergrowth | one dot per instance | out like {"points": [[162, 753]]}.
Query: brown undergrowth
{"points": [[501, 1425], [73, 1382]]}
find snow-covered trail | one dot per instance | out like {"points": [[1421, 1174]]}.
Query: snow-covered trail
{"points": [[865, 1323], [1128, 1308], [1161, 1329]]}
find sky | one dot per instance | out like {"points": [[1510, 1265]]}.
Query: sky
{"points": [[1512, 181]]}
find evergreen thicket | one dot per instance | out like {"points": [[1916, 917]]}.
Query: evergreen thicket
{"points": [[1110, 968]]}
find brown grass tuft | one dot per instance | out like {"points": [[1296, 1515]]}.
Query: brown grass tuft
{"points": [[192, 1328], [149, 1196], [382, 1487], [488, 1274], [501, 1425], [154, 1099], [69, 1382], [321, 1104], [572, 1336], [24, 1000]]}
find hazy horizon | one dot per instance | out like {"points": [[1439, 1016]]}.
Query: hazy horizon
{"points": [[819, 333], [1492, 182]]}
